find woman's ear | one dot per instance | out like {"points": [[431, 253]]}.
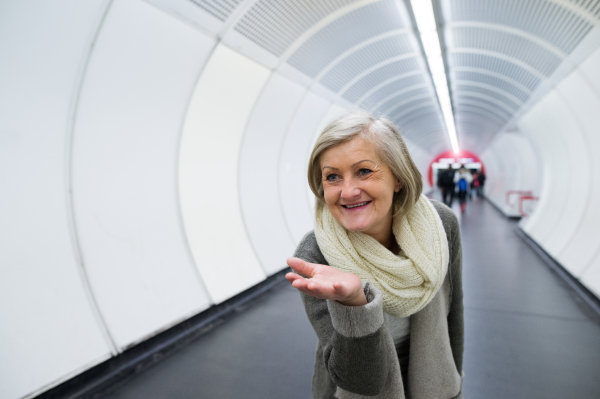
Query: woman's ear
{"points": [[398, 185]]}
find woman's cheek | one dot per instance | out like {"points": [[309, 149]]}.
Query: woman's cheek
{"points": [[330, 194]]}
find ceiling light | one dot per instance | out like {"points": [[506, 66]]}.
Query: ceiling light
{"points": [[423, 11]]}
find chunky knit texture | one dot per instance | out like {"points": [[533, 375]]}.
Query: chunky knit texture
{"points": [[409, 280]]}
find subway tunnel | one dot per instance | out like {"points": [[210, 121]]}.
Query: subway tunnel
{"points": [[153, 173]]}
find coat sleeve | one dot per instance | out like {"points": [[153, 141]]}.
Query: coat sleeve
{"points": [[456, 327], [351, 337]]}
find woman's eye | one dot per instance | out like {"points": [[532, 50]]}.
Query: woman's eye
{"points": [[331, 178], [364, 172]]}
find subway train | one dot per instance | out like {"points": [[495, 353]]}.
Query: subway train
{"points": [[154, 152]]}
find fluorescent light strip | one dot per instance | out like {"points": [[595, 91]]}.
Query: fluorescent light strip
{"points": [[423, 11]]}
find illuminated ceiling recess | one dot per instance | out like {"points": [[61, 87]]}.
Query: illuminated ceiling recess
{"points": [[431, 43]]}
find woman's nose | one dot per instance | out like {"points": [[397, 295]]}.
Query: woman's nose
{"points": [[350, 189]]}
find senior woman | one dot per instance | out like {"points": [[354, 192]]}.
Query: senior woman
{"points": [[380, 276]]}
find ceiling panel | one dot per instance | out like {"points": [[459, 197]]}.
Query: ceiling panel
{"points": [[542, 18], [397, 100], [502, 82], [380, 74], [498, 52], [540, 58], [494, 64], [365, 58], [346, 32], [276, 24], [220, 9], [488, 103], [363, 51], [488, 91], [393, 85]]}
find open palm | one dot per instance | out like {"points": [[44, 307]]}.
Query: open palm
{"points": [[326, 282]]}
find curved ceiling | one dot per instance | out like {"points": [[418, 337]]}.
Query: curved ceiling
{"points": [[499, 52], [367, 53]]}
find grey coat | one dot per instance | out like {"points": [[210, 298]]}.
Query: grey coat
{"points": [[356, 354]]}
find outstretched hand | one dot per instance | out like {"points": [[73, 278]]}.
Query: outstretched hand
{"points": [[326, 282]]}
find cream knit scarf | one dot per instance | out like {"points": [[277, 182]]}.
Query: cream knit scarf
{"points": [[408, 281]]}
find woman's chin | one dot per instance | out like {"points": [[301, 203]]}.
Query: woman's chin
{"points": [[356, 226]]}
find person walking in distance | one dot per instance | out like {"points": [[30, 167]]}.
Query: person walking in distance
{"points": [[446, 184], [481, 179], [475, 185], [463, 181]]}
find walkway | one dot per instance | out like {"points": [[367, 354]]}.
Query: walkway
{"points": [[526, 334]]}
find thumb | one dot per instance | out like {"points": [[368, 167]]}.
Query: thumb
{"points": [[301, 267], [340, 289]]}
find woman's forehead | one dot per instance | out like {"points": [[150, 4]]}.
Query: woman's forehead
{"points": [[350, 152]]}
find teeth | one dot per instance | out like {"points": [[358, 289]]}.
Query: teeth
{"points": [[357, 205]]}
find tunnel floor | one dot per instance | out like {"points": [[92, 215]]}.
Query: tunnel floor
{"points": [[526, 334]]}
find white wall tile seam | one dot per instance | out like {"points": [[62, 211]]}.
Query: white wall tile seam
{"points": [[149, 284], [239, 162], [186, 240], [233, 18], [548, 190], [588, 148], [77, 251], [280, 160], [546, 194], [595, 256], [235, 154], [597, 93], [526, 224], [180, 17], [165, 327]]}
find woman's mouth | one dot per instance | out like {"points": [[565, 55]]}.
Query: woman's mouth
{"points": [[356, 206]]}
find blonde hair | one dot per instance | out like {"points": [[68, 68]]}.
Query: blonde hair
{"points": [[390, 147]]}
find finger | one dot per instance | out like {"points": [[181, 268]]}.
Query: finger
{"points": [[291, 277], [301, 285], [324, 291], [315, 289], [308, 292], [301, 267]]}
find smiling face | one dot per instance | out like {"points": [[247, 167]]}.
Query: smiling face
{"points": [[359, 188]]}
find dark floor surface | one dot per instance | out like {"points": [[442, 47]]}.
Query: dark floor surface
{"points": [[526, 334]]}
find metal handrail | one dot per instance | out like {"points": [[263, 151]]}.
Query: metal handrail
{"points": [[525, 198], [519, 192]]}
